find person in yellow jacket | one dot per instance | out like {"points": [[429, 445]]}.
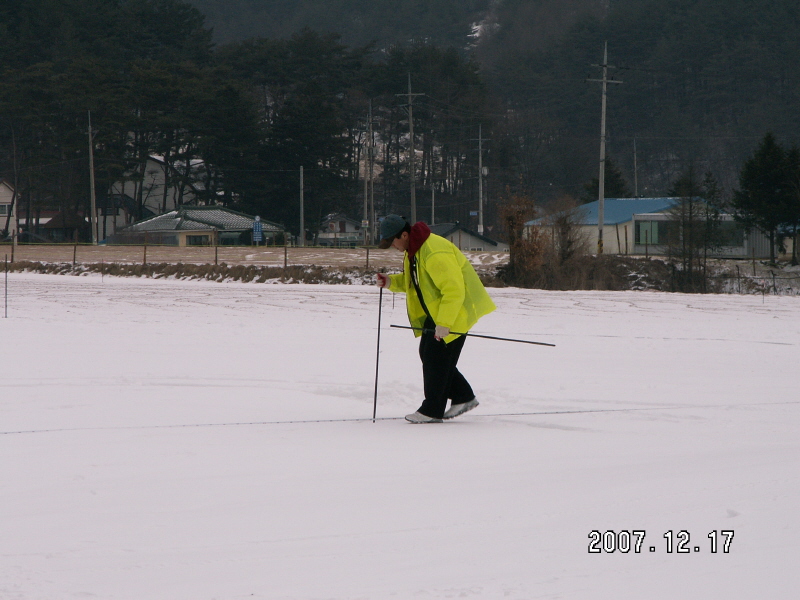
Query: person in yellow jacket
{"points": [[443, 294]]}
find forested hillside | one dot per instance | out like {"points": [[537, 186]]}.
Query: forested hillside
{"points": [[359, 22], [288, 84], [703, 80]]}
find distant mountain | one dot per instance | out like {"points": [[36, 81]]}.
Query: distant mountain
{"points": [[443, 22], [703, 79]]}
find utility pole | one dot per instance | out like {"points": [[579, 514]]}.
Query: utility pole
{"points": [[301, 239], [433, 204], [365, 215], [412, 152], [602, 177], [371, 180], [480, 178], [481, 174], [14, 207], [635, 172], [368, 220], [93, 202]]}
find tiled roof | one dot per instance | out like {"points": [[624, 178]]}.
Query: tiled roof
{"points": [[221, 219], [190, 218], [167, 222]]}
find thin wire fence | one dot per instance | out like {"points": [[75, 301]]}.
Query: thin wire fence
{"points": [[262, 256], [778, 284], [739, 279]]}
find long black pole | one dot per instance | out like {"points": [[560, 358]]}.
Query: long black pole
{"points": [[377, 355], [488, 337]]}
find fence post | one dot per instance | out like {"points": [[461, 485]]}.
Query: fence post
{"points": [[754, 260], [74, 254], [13, 245], [216, 254], [739, 279], [367, 258], [285, 256], [144, 258]]}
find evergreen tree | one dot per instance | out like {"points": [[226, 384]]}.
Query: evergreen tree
{"points": [[764, 197], [792, 224], [303, 87], [64, 59], [614, 185]]}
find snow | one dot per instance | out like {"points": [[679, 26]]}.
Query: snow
{"points": [[177, 440]]}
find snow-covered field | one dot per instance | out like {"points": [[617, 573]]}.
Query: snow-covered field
{"points": [[195, 441]]}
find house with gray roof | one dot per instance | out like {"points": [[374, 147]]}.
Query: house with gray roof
{"points": [[196, 226], [466, 239]]}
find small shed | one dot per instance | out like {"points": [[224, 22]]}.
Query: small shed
{"points": [[67, 226], [466, 239]]}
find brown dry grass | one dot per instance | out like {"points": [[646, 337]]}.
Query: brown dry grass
{"points": [[224, 272]]}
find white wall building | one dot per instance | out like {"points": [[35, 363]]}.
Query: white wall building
{"points": [[640, 226], [8, 210]]}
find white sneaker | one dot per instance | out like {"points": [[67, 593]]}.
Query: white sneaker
{"points": [[460, 409], [418, 417]]}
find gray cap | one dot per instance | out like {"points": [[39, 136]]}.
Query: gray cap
{"points": [[391, 226]]}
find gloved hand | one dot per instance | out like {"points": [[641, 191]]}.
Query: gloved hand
{"points": [[382, 280], [441, 332]]}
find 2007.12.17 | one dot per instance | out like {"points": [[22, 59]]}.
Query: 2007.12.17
{"points": [[624, 541]]}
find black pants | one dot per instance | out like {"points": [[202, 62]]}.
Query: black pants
{"points": [[441, 377]]}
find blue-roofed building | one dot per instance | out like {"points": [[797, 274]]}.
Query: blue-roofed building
{"points": [[618, 211], [618, 221], [641, 226]]}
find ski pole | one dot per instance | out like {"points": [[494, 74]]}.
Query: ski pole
{"points": [[488, 337], [377, 355]]}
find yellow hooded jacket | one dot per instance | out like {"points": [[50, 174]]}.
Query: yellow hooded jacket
{"points": [[450, 287]]}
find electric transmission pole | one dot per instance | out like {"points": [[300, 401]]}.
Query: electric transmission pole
{"points": [[92, 201], [372, 231], [412, 152], [368, 220], [481, 139], [481, 173], [635, 171], [602, 177], [301, 240]]}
